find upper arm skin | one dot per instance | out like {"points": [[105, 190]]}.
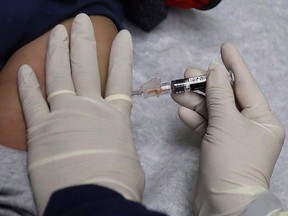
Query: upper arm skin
{"points": [[12, 125]]}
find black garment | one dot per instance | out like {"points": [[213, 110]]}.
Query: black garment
{"points": [[93, 200], [23, 21]]}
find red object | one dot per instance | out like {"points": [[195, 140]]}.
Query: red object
{"points": [[186, 3]]}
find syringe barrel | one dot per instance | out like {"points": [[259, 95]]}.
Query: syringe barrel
{"points": [[190, 84]]}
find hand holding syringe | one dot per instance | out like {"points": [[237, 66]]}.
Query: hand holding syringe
{"points": [[155, 87]]}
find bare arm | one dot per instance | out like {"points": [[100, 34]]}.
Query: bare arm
{"points": [[12, 127]]}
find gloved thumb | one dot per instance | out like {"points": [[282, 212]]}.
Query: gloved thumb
{"points": [[219, 93]]}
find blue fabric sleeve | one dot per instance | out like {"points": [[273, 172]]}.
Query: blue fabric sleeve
{"points": [[93, 200], [22, 22], [265, 204]]}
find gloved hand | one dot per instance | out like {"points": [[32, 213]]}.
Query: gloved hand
{"points": [[79, 137], [242, 138]]}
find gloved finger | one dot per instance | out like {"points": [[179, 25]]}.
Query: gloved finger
{"points": [[33, 104], [247, 91], [219, 93], [191, 72], [192, 100], [58, 71], [85, 71], [193, 120], [119, 84]]}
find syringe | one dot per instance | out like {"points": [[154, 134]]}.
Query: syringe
{"points": [[155, 87]]}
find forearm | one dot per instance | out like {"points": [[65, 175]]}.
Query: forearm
{"points": [[12, 126]]}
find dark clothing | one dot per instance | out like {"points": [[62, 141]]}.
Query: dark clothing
{"points": [[93, 200], [23, 21]]}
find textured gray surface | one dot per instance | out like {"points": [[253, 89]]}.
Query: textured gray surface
{"points": [[188, 38], [15, 192]]}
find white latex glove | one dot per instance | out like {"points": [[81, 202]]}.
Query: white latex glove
{"points": [[79, 137], [242, 138]]}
